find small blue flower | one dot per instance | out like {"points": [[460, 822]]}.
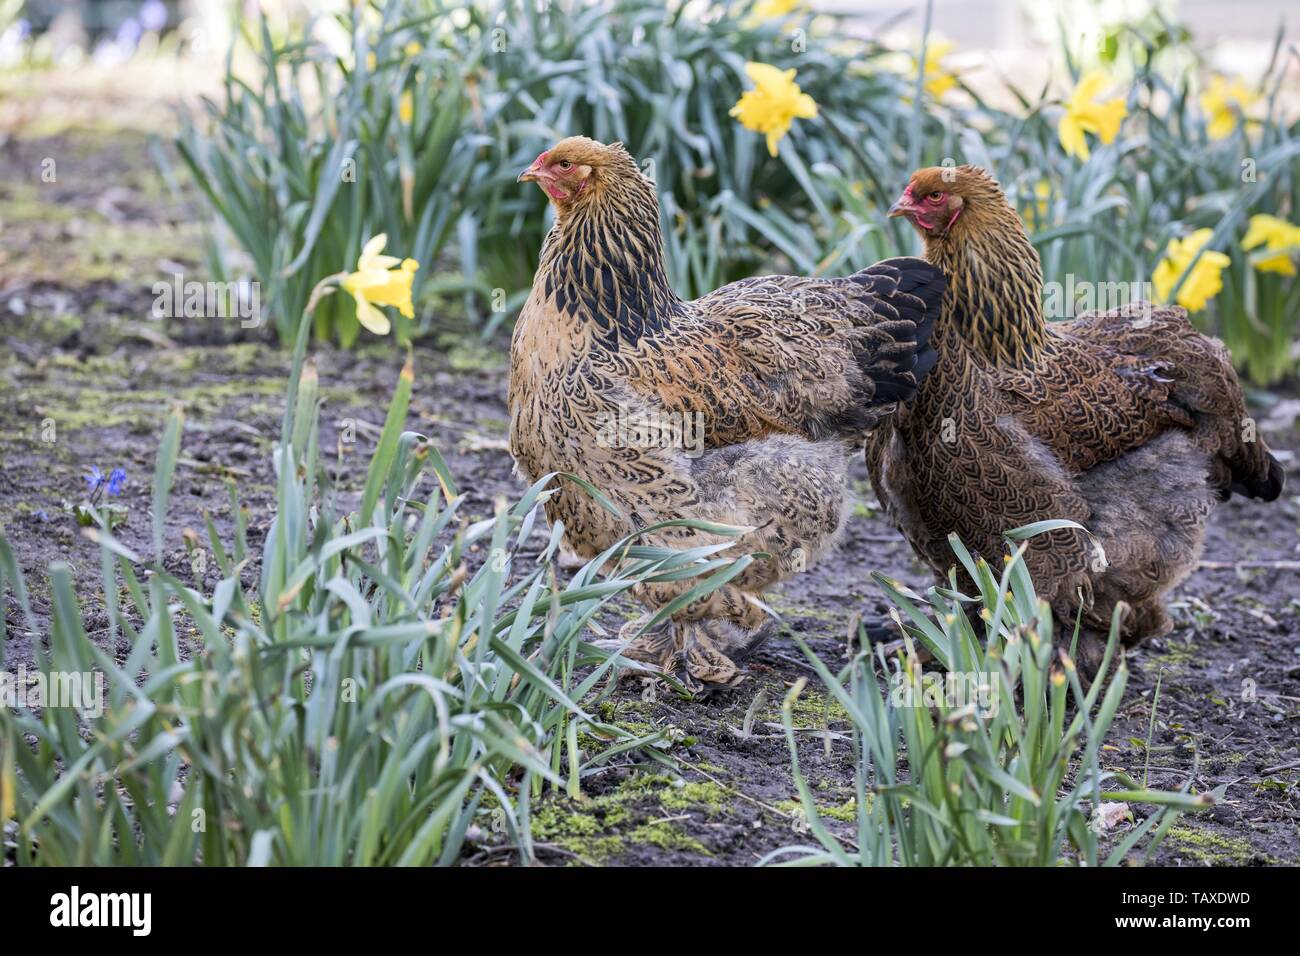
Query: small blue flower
{"points": [[153, 15], [94, 479], [40, 513], [116, 480], [128, 34]]}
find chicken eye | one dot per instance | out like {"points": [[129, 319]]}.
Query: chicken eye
{"points": [[565, 164], [935, 196]]}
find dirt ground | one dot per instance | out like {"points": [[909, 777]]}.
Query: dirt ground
{"points": [[78, 347]]}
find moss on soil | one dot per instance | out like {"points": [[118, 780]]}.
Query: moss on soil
{"points": [[1214, 849], [599, 828], [813, 710], [846, 812]]}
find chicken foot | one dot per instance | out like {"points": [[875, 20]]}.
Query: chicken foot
{"points": [[704, 655]]}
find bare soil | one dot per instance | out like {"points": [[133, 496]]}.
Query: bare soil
{"points": [[80, 349]]}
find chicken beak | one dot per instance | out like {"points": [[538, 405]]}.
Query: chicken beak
{"points": [[529, 175], [901, 208]]}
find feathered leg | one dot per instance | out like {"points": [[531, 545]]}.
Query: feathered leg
{"points": [[791, 493], [1145, 544]]}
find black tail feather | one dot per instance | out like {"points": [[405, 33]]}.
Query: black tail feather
{"points": [[909, 290], [1266, 487]]}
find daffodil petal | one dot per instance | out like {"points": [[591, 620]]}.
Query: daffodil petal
{"points": [[1070, 133], [1281, 264], [765, 75], [380, 280], [374, 320], [1089, 87], [374, 247], [1108, 117]]}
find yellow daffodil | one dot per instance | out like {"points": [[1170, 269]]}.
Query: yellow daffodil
{"points": [[372, 61], [1041, 200], [772, 9], [8, 787], [774, 104], [406, 108], [413, 48], [381, 280], [1203, 283], [1223, 101], [1273, 233], [1084, 113], [938, 80]]}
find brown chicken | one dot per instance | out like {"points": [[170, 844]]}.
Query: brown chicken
{"points": [[1128, 422], [772, 382]]}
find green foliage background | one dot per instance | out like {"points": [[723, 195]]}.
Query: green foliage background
{"points": [[306, 154]]}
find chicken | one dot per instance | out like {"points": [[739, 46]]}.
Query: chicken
{"points": [[742, 407], [1128, 422]]}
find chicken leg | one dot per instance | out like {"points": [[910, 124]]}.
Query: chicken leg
{"points": [[791, 493]]}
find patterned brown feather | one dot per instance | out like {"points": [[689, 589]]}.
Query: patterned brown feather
{"points": [[1128, 422], [784, 375]]}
